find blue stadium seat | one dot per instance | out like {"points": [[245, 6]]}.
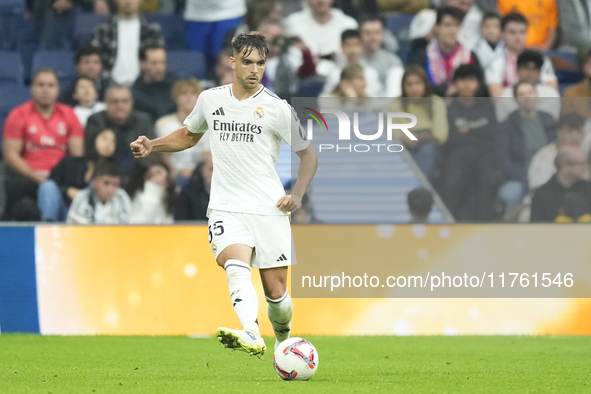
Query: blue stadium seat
{"points": [[310, 89], [567, 78], [61, 61], [12, 6], [399, 25], [187, 64], [12, 96], [174, 29], [24, 39], [11, 68], [565, 56], [84, 25]]}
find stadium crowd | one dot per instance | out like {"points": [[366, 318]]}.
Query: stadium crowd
{"points": [[501, 89]]}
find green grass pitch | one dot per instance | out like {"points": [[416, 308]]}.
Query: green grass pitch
{"points": [[496, 364]]}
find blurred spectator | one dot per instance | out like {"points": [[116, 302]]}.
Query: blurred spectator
{"points": [[103, 201], [185, 93], [402, 6], [569, 133], [257, 11], [194, 198], [86, 96], [152, 192], [468, 34], [352, 83], [469, 170], [502, 72], [431, 129], [542, 16], [88, 64], [388, 65], [71, 175], [351, 46], [320, 27], [420, 203], [548, 198], [151, 91], [576, 98], [490, 44], [120, 117], [37, 135], [574, 209], [529, 66], [224, 73], [356, 8], [120, 39], [209, 21], [53, 20], [288, 60], [25, 210], [575, 24], [519, 137], [442, 55]]}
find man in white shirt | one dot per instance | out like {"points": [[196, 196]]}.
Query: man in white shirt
{"points": [[570, 133], [502, 72], [208, 23], [120, 39], [247, 205], [320, 27], [389, 66], [529, 65]]}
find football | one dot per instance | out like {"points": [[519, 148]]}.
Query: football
{"points": [[295, 359]]}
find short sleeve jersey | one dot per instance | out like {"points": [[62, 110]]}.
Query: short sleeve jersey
{"points": [[45, 141], [245, 138]]}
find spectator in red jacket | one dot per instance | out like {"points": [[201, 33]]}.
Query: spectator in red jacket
{"points": [[37, 135]]}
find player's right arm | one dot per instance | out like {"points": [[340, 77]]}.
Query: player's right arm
{"points": [[181, 139], [178, 140]]}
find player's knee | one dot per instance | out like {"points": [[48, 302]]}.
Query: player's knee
{"points": [[276, 293]]}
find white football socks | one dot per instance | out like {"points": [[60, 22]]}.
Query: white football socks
{"points": [[242, 294], [280, 313]]}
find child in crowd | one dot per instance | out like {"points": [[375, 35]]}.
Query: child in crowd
{"points": [[86, 96], [103, 202]]}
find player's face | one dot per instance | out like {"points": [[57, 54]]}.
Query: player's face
{"points": [[90, 66], [45, 89], [249, 69], [515, 35], [105, 143], [105, 187]]}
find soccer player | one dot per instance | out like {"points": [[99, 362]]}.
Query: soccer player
{"points": [[248, 210]]}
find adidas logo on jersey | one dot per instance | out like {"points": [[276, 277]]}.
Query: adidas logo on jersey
{"points": [[282, 258], [219, 111]]}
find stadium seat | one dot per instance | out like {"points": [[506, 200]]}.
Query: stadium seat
{"points": [[24, 40], [567, 78], [12, 96], [310, 89], [173, 29], [399, 25], [84, 25], [11, 68], [187, 64], [12, 7], [61, 61]]}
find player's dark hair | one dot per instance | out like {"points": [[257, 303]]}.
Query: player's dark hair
{"points": [[243, 44], [448, 10], [513, 17], [572, 120], [44, 70], [148, 47], [466, 71], [490, 15], [529, 56], [138, 180], [518, 84], [420, 202], [107, 166], [85, 50], [350, 33]]}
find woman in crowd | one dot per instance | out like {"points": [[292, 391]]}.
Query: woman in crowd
{"points": [[432, 128], [152, 190]]}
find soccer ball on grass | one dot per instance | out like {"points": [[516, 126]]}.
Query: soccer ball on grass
{"points": [[295, 359]]}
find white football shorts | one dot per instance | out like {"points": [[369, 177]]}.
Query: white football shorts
{"points": [[269, 235]]}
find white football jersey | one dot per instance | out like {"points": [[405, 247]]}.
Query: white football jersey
{"points": [[245, 138]]}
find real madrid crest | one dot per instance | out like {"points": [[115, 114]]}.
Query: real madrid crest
{"points": [[214, 248], [259, 113]]}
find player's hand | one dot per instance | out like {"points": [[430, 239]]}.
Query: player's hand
{"points": [[284, 203], [296, 202], [141, 147]]}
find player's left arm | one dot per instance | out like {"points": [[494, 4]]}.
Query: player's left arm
{"points": [[308, 166]]}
